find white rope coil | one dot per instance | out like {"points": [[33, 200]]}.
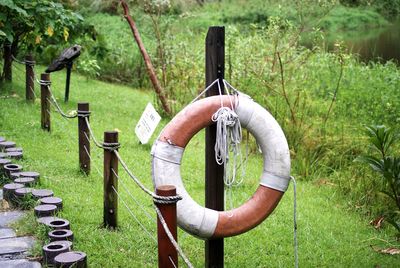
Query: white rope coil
{"points": [[229, 133]]}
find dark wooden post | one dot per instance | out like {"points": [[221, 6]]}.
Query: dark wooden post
{"points": [[110, 182], [29, 77], [67, 82], [7, 55], [167, 254], [215, 67], [45, 101], [84, 136]]}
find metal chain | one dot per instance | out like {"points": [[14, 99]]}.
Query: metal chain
{"points": [[171, 237]]}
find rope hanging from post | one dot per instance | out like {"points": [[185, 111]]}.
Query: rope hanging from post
{"points": [[24, 62], [157, 199], [113, 147], [72, 114]]}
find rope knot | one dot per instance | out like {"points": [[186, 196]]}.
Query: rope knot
{"points": [[45, 82], [111, 146], [30, 63], [83, 113], [158, 199]]}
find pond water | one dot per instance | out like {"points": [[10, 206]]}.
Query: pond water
{"points": [[374, 44]]}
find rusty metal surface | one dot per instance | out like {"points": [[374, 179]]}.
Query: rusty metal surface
{"points": [[61, 234], [71, 259], [45, 210]]}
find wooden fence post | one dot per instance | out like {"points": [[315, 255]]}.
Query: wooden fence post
{"points": [[84, 137], [110, 212], [167, 254], [215, 67], [45, 101], [29, 79]]}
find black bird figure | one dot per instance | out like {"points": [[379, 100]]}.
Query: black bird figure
{"points": [[66, 57]]}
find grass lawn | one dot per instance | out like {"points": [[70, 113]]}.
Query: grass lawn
{"points": [[330, 233]]}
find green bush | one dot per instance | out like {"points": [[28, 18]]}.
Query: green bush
{"points": [[382, 140]]}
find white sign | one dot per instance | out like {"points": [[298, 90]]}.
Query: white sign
{"points": [[147, 124]]}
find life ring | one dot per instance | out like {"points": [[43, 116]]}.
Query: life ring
{"points": [[167, 152]]}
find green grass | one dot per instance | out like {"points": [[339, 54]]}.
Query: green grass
{"points": [[331, 233], [120, 61]]}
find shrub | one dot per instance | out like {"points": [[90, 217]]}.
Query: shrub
{"points": [[382, 140]]}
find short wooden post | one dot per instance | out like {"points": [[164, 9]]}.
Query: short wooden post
{"points": [[215, 67], [84, 137], [29, 78], [110, 182], [45, 101], [167, 254]]}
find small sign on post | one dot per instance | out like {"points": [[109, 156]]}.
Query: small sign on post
{"points": [[147, 124]]}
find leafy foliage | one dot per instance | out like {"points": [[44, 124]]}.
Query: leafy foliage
{"points": [[37, 23], [382, 140]]}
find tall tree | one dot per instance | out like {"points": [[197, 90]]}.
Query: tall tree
{"points": [[33, 24]]}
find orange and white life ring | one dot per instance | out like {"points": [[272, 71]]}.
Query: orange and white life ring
{"points": [[167, 154]]}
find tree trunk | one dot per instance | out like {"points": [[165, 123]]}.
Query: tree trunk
{"points": [[149, 66], [7, 69]]}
